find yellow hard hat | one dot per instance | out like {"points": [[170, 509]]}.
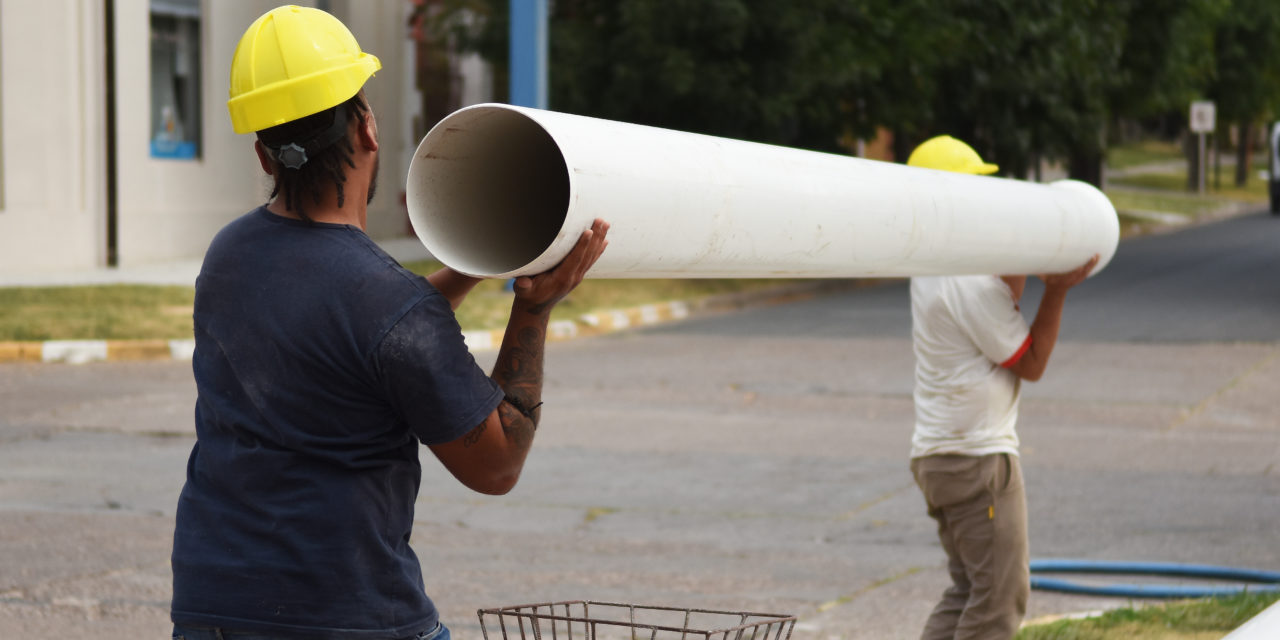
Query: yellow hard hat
{"points": [[949, 154], [293, 62]]}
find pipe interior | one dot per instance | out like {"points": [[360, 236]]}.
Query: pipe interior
{"points": [[489, 191]]}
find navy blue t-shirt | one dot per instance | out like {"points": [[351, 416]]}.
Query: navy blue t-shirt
{"points": [[320, 365]]}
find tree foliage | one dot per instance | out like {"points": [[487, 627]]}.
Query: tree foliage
{"points": [[1167, 55], [1019, 79], [1029, 77], [1246, 85], [1246, 82], [772, 71]]}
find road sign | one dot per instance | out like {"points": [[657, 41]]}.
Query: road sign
{"points": [[1203, 115]]}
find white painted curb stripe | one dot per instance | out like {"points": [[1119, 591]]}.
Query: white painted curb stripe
{"points": [[650, 314], [479, 340], [83, 351], [562, 330], [73, 351], [182, 349], [619, 320]]}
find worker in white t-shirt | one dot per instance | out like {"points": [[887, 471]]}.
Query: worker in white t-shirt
{"points": [[973, 348]]}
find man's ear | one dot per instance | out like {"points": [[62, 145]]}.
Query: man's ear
{"points": [[367, 131], [264, 157]]}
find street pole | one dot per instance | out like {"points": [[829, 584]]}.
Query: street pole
{"points": [[1200, 160], [528, 59], [1273, 175], [529, 53]]}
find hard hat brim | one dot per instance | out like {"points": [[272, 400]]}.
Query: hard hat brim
{"points": [[296, 98]]}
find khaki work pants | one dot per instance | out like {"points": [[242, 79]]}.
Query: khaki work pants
{"points": [[981, 510]]}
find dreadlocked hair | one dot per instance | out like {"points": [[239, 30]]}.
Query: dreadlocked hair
{"points": [[328, 165]]}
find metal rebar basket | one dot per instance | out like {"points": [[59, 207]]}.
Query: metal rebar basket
{"points": [[592, 620]]}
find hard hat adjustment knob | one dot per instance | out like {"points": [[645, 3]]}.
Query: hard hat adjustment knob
{"points": [[292, 156]]}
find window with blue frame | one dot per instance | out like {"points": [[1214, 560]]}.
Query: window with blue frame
{"points": [[175, 79]]}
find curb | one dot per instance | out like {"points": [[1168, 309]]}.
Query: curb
{"points": [[604, 322], [592, 324], [85, 351]]}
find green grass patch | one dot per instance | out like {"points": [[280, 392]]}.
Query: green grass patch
{"points": [[1173, 181], [1191, 620], [1187, 204], [122, 312], [110, 312], [1254, 190], [1143, 152]]}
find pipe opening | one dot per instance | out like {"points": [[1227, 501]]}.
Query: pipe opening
{"points": [[487, 191]]}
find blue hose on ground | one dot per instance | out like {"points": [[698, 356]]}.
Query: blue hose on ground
{"points": [[1265, 581]]}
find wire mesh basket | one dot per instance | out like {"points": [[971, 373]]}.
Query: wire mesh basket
{"points": [[592, 620]]}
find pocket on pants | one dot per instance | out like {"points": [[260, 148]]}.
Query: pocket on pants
{"points": [[947, 481], [1007, 474]]}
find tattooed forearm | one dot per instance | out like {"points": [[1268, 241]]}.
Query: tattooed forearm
{"points": [[539, 309], [519, 370], [473, 436], [519, 429]]}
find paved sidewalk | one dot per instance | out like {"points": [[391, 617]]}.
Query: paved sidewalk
{"points": [[726, 463]]}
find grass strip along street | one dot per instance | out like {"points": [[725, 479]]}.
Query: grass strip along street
{"points": [[108, 312], [145, 312], [1206, 619]]}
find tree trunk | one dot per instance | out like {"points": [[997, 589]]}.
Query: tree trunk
{"points": [[1216, 147], [1244, 152], [1086, 166], [902, 146], [1191, 145]]}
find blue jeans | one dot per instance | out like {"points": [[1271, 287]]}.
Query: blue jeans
{"points": [[441, 632]]}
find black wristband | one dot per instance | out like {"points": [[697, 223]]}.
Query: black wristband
{"points": [[528, 413]]}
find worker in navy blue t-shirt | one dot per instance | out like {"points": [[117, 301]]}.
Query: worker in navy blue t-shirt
{"points": [[321, 364]]}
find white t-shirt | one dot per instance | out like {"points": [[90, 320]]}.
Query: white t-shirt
{"points": [[963, 329]]}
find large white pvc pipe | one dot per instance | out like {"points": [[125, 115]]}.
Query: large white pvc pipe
{"points": [[499, 191]]}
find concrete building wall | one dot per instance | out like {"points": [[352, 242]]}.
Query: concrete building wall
{"points": [[52, 118], [53, 133]]}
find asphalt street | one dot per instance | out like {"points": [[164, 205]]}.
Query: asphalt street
{"points": [[753, 460]]}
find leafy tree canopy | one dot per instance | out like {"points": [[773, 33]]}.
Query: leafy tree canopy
{"points": [[1019, 79]]}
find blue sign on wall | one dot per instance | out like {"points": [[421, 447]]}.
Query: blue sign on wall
{"points": [[173, 149]]}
